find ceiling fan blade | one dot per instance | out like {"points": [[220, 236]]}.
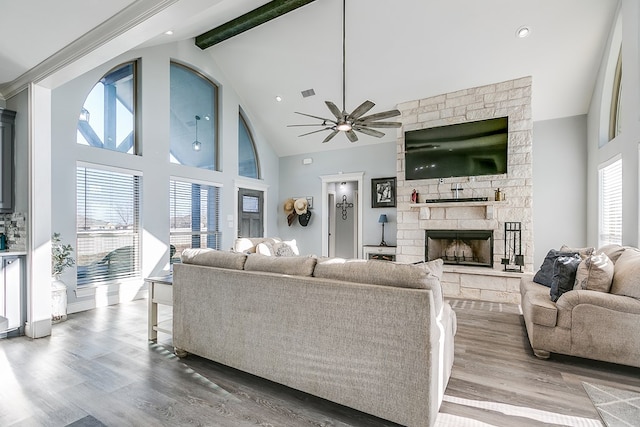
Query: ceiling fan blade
{"points": [[316, 117], [351, 135], [378, 124], [331, 135], [361, 109], [315, 124], [380, 116], [368, 131], [334, 109], [315, 131]]}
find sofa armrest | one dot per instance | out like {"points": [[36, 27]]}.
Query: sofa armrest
{"points": [[569, 300]]}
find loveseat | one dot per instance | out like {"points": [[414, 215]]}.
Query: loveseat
{"points": [[597, 316], [372, 335]]}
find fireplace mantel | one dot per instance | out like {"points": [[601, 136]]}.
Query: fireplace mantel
{"points": [[449, 204], [488, 205]]}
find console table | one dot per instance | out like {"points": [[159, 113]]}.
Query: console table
{"points": [[384, 253], [160, 292]]}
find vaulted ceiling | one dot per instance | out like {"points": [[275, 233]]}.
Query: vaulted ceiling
{"points": [[396, 51]]}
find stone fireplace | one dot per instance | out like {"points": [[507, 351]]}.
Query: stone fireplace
{"points": [[460, 247], [468, 203]]}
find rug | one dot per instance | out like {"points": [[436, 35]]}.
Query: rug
{"points": [[87, 421], [617, 407]]}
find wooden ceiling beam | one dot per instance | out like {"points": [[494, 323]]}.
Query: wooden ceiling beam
{"points": [[249, 20]]}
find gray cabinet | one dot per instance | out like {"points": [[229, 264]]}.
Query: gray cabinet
{"points": [[7, 136], [12, 295]]}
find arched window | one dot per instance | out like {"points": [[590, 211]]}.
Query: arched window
{"points": [[193, 119], [248, 163], [615, 122], [107, 118]]}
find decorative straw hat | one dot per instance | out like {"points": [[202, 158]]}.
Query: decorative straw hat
{"points": [[288, 206], [300, 206]]}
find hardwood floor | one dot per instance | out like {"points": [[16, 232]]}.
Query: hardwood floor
{"points": [[100, 363]]}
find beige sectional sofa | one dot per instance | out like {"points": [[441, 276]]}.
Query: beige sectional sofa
{"points": [[372, 335], [598, 319]]}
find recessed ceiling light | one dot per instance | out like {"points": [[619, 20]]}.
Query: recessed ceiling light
{"points": [[523, 32], [278, 98], [169, 32]]}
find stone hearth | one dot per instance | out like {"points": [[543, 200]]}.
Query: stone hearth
{"points": [[510, 99]]}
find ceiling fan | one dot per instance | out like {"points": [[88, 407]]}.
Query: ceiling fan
{"points": [[356, 120]]}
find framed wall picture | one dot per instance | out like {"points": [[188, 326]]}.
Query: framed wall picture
{"points": [[383, 192]]}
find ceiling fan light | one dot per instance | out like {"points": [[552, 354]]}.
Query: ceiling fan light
{"points": [[344, 126]]}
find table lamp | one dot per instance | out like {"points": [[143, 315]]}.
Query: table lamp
{"points": [[382, 220]]}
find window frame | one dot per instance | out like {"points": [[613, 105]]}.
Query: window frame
{"points": [[216, 114], [136, 148], [136, 230], [242, 120], [606, 222], [615, 125], [217, 233]]}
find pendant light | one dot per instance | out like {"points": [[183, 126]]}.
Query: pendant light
{"points": [[197, 145]]}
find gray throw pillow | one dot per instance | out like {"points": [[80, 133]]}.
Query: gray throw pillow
{"points": [[544, 276], [564, 275]]}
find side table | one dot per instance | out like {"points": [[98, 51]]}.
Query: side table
{"points": [[383, 253], [160, 292]]}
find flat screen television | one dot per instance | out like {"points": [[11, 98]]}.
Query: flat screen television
{"points": [[464, 149]]}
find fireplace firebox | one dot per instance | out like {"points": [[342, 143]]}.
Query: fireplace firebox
{"points": [[460, 247]]}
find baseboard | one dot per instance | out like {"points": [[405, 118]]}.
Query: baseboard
{"points": [[90, 304], [38, 329]]}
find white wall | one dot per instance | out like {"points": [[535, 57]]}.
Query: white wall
{"points": [[627, 142], [559, 184], [154, 162], [296, 179]]}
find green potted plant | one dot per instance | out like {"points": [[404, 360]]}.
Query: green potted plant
{"points": [[61, 259]]}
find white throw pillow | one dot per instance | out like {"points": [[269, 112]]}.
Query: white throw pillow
{"points": [[595, 273], [265, 248]]}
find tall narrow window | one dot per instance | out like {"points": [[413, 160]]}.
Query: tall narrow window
{"points": [[107, 118], [194, 216], [108, 225], [610, 202], [248, 164], [193, 119]]}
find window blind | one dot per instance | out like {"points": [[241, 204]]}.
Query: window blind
{"points": [[108, 226], [610, 203], [194, 217]]}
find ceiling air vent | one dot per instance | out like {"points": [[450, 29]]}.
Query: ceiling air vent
{"points": [[307, 93]]}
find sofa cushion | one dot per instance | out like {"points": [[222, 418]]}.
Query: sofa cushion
{"points": [[564, 275], [613, 251], [214, 258], [626, 274], [418, 276], [583, 252], [595, 273], [425, 275], [544, 276], [293, 265]]}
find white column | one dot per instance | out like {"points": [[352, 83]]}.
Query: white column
{"points": [[39, 214]]}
